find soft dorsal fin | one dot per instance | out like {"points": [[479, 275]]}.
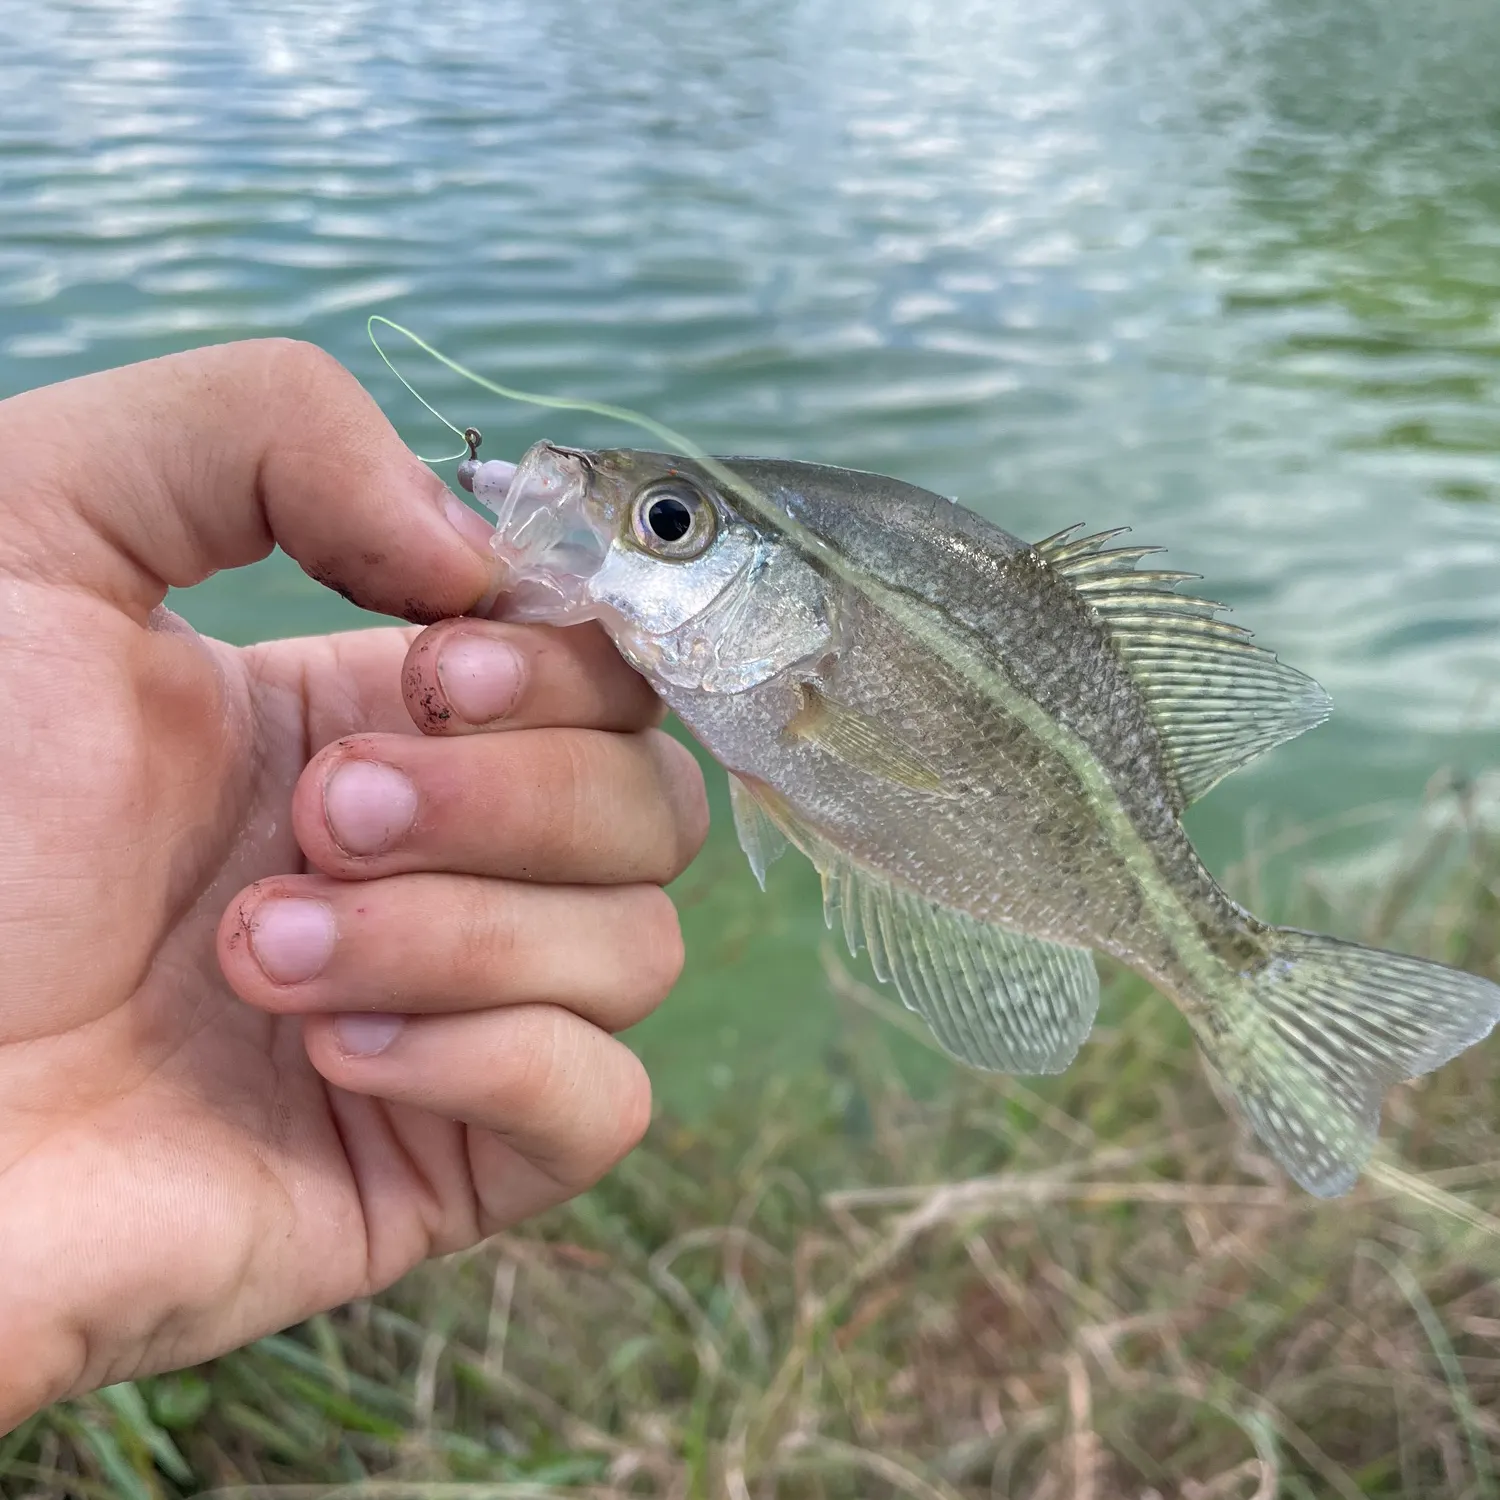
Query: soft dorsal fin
{"points": [[1217, 700], [994, 998]]}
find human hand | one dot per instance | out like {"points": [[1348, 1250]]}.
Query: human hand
{"points": [[230, 874]]}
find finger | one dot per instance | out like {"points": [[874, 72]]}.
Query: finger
{"points": [[464, 676], [161, 473], [421, 944], [567, 1097], [551, 805], [320, 688]]}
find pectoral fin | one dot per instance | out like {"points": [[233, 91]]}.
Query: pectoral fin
{"points": [[861, 742]]}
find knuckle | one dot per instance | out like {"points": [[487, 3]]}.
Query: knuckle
{"points": [[688, 797], [656, 945], [627, 805], [302, 368], [536, 1057], [575, 774], [587, 1104], [695, 831], [617, 1122], [632, 1111]]}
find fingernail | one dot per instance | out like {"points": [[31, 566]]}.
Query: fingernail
{"points": [[362, 1034], [481, 678], [292, 940], [469, 524], [368, 806]]}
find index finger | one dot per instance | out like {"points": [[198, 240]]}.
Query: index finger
{"points": [[158, 474], [475, 676]]}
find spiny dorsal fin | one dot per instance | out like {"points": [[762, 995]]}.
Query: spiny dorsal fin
{"points": [[1217, 700]]}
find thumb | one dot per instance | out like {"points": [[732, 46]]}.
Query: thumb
{"points": [[156, 475]]}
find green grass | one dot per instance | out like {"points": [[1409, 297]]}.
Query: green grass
{"points": [[1091, 1288]]}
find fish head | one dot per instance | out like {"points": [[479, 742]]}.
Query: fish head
{"points": [[695, 592]]}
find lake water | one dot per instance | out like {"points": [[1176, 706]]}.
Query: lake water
{"points": [[1224, 271]]}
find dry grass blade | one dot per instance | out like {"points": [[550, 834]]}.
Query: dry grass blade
{"points": [[397, 1489], [827, 1453], [1426, 1192], [1083, 1443], [1463, 1405]]}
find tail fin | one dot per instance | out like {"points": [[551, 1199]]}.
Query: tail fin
{"points": [[1310, 1047]]}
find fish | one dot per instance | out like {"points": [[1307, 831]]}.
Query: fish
{"points": [[985, 746]]}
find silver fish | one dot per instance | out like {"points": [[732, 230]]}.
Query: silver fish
{"points": [[985, 747]]}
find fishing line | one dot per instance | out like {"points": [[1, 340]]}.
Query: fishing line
{"points": [[675, 441], [469, 444], [1381, 1168], [658, 430]]}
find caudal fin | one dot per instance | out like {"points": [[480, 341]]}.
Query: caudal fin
{"points": [[1310, 1046]]}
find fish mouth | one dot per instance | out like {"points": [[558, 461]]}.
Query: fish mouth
{"points": [[551, 534]]}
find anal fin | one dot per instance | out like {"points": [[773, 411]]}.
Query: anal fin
{"points": [[994, 998]]}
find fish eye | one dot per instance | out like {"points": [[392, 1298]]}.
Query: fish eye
{"points": [[669, 518], [673, 520]]}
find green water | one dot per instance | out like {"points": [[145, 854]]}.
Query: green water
{"points": [[1225, 271]]}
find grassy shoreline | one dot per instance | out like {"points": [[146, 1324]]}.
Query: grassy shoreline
{"points": [[1090, 1287]]}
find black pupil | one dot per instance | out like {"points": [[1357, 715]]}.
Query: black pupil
{"points": [[669, 518]]}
